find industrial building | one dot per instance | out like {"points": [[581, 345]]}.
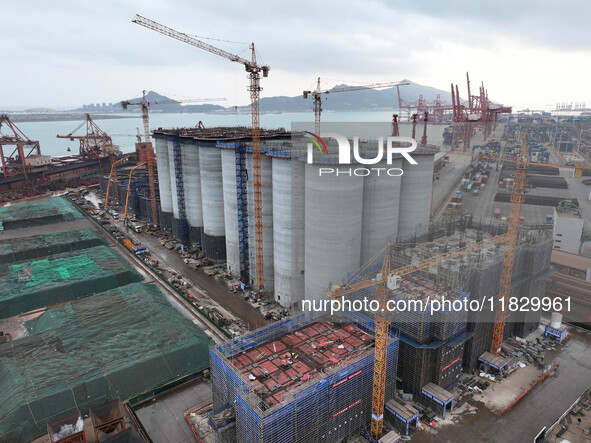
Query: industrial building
{"points": [[436, 347], [568, 227], [206, 198], [306, 379]]}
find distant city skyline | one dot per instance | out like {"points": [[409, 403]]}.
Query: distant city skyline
{"points": [[67, 53]]}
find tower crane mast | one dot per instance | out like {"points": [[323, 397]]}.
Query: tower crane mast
{"points": [[318, 92], [145, 104], [517, 198], [254, 70]]}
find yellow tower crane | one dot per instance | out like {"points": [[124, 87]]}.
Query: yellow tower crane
{"points": [[317, 94], [388, 280], [113, 177], [254, 69], [518, 192]]}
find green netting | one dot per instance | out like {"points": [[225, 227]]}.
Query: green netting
{"points": [[120, 343], [38, 212], [52, 270], [60, 278], [27, 248]]}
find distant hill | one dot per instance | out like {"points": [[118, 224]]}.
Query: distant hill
{"points": [[152, 97], [365, 100]]}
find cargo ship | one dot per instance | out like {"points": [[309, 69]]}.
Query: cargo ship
{"points": [[25, 171]]}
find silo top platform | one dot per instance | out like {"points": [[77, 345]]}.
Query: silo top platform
{"points": [[223, 133]]}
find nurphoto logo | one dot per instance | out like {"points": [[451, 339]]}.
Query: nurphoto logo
{"points": [[394, 146]]}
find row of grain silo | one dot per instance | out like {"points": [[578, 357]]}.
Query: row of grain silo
{"points": [[316, 228]]}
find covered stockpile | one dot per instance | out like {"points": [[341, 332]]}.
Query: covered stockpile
{"points": [[59, 278], [27, 248], [118, 344], [36, 213]]}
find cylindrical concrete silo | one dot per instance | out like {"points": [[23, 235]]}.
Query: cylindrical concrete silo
{"points": [[231, 211], [333, 213], [288, 229], [267, 207], [381, 199], [213, 240], [165, 216], [415, 197], [173, 189], [192, 189]]}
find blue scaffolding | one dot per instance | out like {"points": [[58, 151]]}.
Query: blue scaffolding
{"points": [[242, 206], [180, 190]]}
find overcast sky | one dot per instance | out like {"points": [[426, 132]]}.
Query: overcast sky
{"points": [[69, 52]]}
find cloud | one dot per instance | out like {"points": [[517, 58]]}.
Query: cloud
{"points": [[74, 52]]}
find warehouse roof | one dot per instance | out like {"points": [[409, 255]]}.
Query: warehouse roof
{"points": [[492, 360], [406, 412], [569, 260]]}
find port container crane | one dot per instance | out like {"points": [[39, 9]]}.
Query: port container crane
{"points": [[318, 92], [254, 70]]}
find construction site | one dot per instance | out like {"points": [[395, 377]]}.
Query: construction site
{"points": [[229, 284]]}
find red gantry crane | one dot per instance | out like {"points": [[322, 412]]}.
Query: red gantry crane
{"points": [[96, 143], [317, 94], [24, 154], [478, 112], [254, 70]]}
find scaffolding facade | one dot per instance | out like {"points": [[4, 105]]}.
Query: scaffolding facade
{"points": [[183, 225], [328, 407], [242, 208]]}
